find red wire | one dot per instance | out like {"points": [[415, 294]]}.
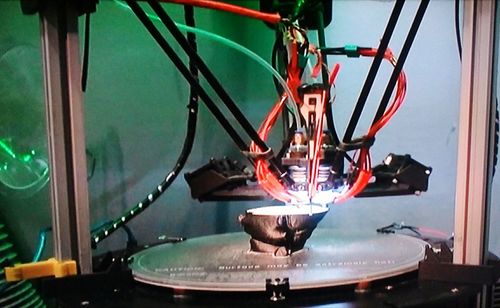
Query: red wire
{"points": [[235, 9], [333, 74], [270, 183], [434, 232], [398, 99], [319, 61], [362, 179], [267, 180], [293, 73], [364, 163], [319, 135]]}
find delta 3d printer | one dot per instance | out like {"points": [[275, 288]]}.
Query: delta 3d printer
{"points": [[281, 256]]}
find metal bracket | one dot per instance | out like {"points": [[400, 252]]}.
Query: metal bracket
{"points": [[277, 289], [439, 267]]}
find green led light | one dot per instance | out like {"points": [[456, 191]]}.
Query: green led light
{"points": [[7, 149], [26, 158]]}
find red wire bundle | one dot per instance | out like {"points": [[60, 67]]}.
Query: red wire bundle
{"points": [[398, 99], [318, 136], [235, 9], [364, 162], [314, 160], [293, 73], [267, 180]]}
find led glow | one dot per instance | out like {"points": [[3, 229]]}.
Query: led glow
{"points": [[322, 197], [7, 149], [26, 158], [21, 174], [306, 209]]}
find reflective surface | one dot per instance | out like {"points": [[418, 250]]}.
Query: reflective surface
{"points": [[24, 166], [224, 263]]}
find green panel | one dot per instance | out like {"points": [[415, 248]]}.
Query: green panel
{"points": [[24, 171]]}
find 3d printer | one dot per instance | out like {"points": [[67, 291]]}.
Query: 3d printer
{"points": [[313, 168]]}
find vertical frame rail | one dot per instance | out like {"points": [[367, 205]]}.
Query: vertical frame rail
{"points": [[65, 131], [475, 146]]}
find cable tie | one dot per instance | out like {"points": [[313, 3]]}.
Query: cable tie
{"points": [[351, 51], [267, 155], [356, 144]]}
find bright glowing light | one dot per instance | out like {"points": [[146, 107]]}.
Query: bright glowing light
{"points": [[7, 149], [288, 210], [26, 158], [322, 197]]}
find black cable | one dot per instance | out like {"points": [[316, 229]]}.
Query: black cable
{"points": [[338, 51], [286, 141], [210, 77], [192, 106], [333, 51], [176, 60], [131, 239], [279, 58], [277, 54], [215, 84], [90, 173], [322, 43], [372, 73], [191, 38], [392, 228], [457, 28], [330, 123], [401, 60], [86, 52]]}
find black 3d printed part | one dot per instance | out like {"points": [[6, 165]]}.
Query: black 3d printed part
{"points": [[281, 230]]}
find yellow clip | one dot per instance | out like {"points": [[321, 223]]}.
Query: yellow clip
{"points": [[51, 267]]}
